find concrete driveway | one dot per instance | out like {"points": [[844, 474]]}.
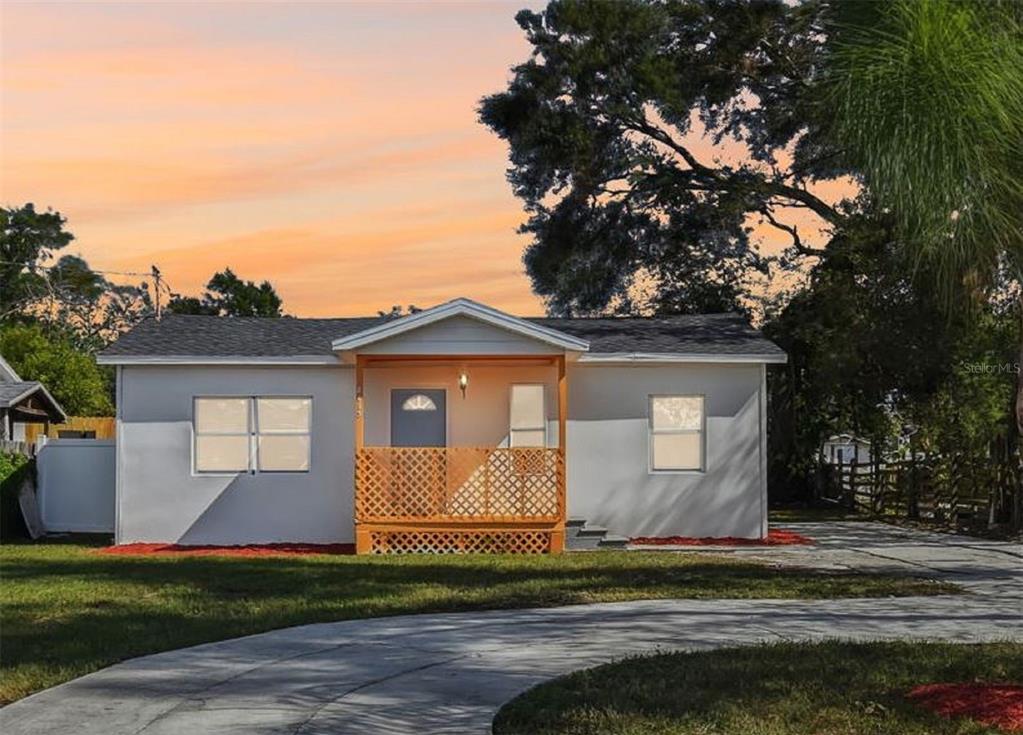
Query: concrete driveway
{"points": [[450, 673]]}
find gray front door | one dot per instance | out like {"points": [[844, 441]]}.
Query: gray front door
{"points": [[418, 417]]}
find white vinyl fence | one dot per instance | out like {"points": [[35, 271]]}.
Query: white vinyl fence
{"points": [[76, 485]]}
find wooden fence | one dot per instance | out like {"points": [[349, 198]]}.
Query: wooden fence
{"points": [[946, 492], [105, 427]]}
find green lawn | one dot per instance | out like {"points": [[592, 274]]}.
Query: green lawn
{"points": [[67, 610], [782, 689]]}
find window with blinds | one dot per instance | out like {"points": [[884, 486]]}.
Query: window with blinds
{"points": [[676, 433], [251, 434], [528, 416]]}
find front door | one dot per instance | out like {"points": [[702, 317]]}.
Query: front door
{"points": [[418, 417]]}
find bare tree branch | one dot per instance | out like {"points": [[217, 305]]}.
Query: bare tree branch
{"points": [[793, 232]]}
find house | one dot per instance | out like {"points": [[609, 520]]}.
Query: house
{"points": [[844, 449], [24, 402], [459, 427]]}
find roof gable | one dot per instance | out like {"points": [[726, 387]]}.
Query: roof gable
{"points": [[13, 394], [461, 308]]}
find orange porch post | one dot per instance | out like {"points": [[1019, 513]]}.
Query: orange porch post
{"points": [[558, 533], [362, 539]]}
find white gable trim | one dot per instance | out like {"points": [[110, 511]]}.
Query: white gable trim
{"points": [[460, 307], [7, 374]]}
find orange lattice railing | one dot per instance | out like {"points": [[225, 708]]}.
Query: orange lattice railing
{"points": [[459, 484]]}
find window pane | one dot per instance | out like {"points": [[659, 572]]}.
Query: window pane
{"points": [[283, 414], [222, 453], [677, 412], [527, 407], [222, 415], [283, 453], [527, 438], [677, 451], [419, 402]]}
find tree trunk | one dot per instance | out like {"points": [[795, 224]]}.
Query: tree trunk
{"points": [[1016, 495], [1019, 382], [1019, 375]]}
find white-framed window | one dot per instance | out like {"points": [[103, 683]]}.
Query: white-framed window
{"points": [[528, 425], [677, 433], [251, 433], [283, 427], [222, 431]]}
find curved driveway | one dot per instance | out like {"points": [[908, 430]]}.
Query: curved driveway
{"points": [[450, 673]]}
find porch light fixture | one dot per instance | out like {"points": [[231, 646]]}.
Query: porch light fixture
{"points": [[463, 381]]}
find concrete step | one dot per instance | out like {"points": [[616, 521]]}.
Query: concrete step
{"points": [[582, 543], [582, 536], [611, 541]]}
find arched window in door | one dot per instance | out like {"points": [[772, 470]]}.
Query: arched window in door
{"points": [[419, 402]]}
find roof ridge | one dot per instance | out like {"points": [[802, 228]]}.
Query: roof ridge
{"points": [[642, 317], [248, 317], [609, 317]]}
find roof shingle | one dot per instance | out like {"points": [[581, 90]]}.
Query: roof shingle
{"points": [[11, 392], [179, 335]]}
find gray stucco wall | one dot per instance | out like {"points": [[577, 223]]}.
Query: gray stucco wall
{"points": [[609, 481], [160, 499]]}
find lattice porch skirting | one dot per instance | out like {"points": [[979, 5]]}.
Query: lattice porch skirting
{"points": [[460, 542]]}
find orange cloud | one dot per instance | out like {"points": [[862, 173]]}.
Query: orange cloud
{"points": [[423, 259], [331, 148], [106, 187]]}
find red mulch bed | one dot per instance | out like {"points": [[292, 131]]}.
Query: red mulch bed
{"points": [[774, 538], [994, 705], [248, 550]]}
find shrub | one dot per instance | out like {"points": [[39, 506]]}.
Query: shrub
{"points": [[14, 468]]}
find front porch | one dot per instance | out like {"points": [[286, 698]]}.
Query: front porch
{"points": [[495, 483]]}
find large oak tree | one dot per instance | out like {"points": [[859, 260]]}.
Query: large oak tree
{"points": [[601, 122]]}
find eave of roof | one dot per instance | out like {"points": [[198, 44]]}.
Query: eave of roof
{"points": [[282, 360], [668, 357]]}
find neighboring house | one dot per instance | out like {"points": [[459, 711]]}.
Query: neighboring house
{"points": [[24, 402], [843, 449], [456, 428]]}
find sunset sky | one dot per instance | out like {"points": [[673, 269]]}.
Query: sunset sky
{"points": [[330, 148]]}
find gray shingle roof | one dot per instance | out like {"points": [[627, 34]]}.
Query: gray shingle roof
{"points": [[11, 392], [209, 336], [711, 334]]}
